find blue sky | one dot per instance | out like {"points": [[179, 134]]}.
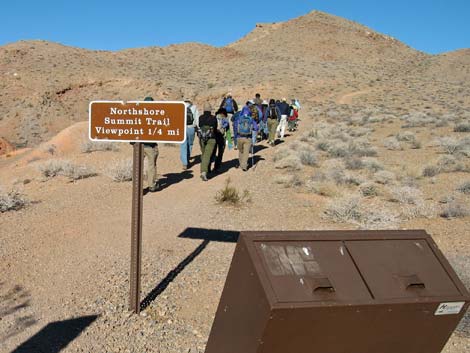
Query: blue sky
{"points": [[433, 26]]}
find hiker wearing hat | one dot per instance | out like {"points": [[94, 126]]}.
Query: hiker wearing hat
{"points": [[231, 107], [284, 109], [263, 124], [220, 137], [206, 134], [273, 117], [293, 116], [192, 120], [244, 128], [151, 153]]}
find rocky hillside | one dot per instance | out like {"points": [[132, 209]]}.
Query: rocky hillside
{"points": [[46, 87]]}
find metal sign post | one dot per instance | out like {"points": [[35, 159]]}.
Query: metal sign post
{"points": [[138, 122], [136, 229]]}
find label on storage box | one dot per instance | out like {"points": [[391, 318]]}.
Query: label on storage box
{"points": [[449, 308]]}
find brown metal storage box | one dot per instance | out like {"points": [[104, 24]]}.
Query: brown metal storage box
{"points": [[337, 292]]}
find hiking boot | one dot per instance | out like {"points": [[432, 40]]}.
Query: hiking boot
{"points": [[153, 188], [204, 176], [185, 167]]}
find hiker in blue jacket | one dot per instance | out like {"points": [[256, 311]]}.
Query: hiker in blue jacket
{"points": [[243, 127]]}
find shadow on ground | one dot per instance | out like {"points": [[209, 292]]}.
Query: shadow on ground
{"points": [[13, 303], [56, 336], [206, 235]]}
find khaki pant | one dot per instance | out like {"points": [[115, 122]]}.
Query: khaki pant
{"points": [[206, 153], [244, 147], [272, 125], [281, 129], [152, 154]]}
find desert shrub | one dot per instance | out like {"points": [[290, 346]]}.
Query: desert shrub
{"points": [[230, 195], [462, 127], [384, 177], [12, 200], [121, 171], [322, 146], [406, 136], [416, 145], [92, 146], [449, 145], [464, 188], [379, 218], [372, 165], [290, 163], [368, 190], [323, 188], [456, 208], [58, 167], [281, 154], [338, 150], [406, 194], [391, 143], [361, 149], [430, 171], [353, 163], [308, 158], [290, 180], [344, 209]]}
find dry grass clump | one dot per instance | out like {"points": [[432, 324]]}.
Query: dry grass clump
{"points": [[464, 188], [384, 177], [12, 200], [406, 194], [418, 119], [392, 144], [93, 146], [455, 208], [59, 167], [462, 127], [305, 153], [230, 195], [372, 165], [290, 163], [369, 189], [322, 188], [354, 163], [289, 180], [350, 209], [430, 171], [121, 171]]}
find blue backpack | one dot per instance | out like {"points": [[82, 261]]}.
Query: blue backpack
{"points": [[229, 105], [245, 126]]}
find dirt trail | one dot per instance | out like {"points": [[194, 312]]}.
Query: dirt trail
{"points": [[348, 97]]}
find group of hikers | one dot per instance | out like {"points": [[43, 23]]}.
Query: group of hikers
{"points": [[230, 127]]}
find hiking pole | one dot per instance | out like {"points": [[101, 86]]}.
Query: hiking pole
{"points": [[253, 156]]}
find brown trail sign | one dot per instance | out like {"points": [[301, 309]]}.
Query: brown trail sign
{"points": [[139, 122], [149, 121]]}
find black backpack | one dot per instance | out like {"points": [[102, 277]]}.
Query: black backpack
{"points": [[189, 116], [205, 133], [273, 113]]}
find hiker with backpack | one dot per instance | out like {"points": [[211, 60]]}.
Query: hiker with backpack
{"points": [[263, 125], [243, 128], [293, 117], [192, 120], [229, 104], [284, 108], [256, 114], [273, 117], [206, 134], [220, 137], [150, 150]]}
